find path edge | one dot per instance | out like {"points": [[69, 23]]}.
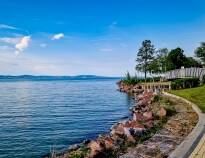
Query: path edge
{"points": [[188, 145]]}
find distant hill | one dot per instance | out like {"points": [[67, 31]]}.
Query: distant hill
{"points": [[31, 77]]}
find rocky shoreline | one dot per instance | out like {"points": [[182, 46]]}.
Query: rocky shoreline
{"points": [[157, 126]]}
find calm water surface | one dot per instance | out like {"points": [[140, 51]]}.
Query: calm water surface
{"points": [[36, 116]]}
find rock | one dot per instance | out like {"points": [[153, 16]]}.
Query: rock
{"points": [[138, 117], [149, 124], [137, 131], [119, 129], [135, 127], [95, 148], [109, 143], [117, 140], [162, 112], [131, 139], [137, 90], [74, 147], [148, 115], [127, 131], [140, 97], [87, 141]]}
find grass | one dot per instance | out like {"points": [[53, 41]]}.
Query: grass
{"points": [[195, 95]]}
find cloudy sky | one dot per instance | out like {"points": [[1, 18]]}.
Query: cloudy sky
{"points": [[71, 37]]}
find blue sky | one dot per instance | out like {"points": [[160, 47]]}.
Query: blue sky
{"points": [[71, 37]]}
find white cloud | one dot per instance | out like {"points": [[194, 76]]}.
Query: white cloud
{"points": [[3, 26], [57, 36], [106, 50], [23, 44]]}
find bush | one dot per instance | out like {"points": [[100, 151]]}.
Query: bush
{"points": [[203, 79], [185, 83], [132, 80]]}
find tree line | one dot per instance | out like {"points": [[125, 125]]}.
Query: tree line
{"points": [[150, 60]]}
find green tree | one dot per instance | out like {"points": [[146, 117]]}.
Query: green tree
{"points": [[145, 55], [175, 59], [158, 64], [191, 62], [200, 52], [162, 59]]}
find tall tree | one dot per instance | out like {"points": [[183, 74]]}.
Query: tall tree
{"points": [[144, 57], [191, 62], [162, 54], [175, 59], [200, 52]]}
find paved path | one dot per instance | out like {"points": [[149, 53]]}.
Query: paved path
{"points": [[194, 144], [199, 151]]}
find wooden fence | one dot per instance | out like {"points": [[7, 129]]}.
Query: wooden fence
{"points": [[185, 73]]}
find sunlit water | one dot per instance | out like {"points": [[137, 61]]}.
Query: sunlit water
{"points": [[37, 116]]}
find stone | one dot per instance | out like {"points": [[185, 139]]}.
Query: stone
{"points": [[73, 147], [131, 139], [138, 117], [109, 143], [162, 112], [149, 124], [118, 130], [87, 141], [127, 131], [148, 115], [95, 148]]}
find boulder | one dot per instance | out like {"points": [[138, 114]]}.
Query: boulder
{"points": [[138, 116], [119, 129], [162, 112], [109, 143], [74, 147], [149, 124], [148, 115], [95, 148], [131, 139]]}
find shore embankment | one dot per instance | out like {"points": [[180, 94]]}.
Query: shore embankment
{"points": [[158, 124]]}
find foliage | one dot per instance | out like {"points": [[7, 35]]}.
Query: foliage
{"points": [[130, 80], [162, 57], [191, 62], [154, 66], [168, 105], [156, 98], [203, 79], [185, 83], [195, 95], [162, 60], [153, 130], [200, 52], [81, 153], [144, 57], [175, 59]]}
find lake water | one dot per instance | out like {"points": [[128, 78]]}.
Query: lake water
{"points": [[37, 116]]}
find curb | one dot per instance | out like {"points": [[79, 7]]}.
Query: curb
{"points": [[190, 142]]}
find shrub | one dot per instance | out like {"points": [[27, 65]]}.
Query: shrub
{"points": [[203, 79], [185, 83], [130, 80], [168, 105], [156, 98]]}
